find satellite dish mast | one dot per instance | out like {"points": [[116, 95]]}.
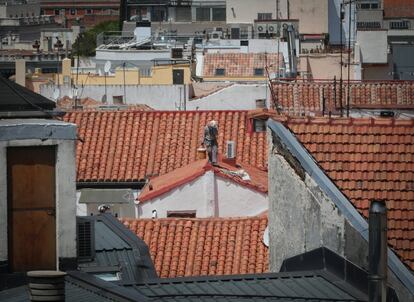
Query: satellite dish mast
{"points": [[56, 94], [107, 68]]}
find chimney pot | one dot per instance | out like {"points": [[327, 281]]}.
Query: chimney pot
{"points": [[46, 285]]}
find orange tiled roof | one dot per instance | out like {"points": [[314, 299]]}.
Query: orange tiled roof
{"points": [[131, 145], [167, 182], [297, 98], [368, 159], [398, 8], [240, 64], [208, 246]]}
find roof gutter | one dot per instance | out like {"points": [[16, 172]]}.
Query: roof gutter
{"points": [[290, 143], [110, 184], [31, 114]]}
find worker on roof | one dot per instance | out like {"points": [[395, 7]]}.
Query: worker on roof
{"points": [[210, 141]]}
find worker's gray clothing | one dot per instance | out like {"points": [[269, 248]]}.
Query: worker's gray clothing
{"points": [[210, 142]]}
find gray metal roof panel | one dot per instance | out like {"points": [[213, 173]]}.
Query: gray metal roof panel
{"points": [[269, 286], [107, 239], [344, 205]]}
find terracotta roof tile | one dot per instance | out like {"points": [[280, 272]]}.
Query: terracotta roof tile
{"points": [[367, 159], [210, 246], [298, 98], [241, 64], [398, 9], [130, 145], [167, 182]]}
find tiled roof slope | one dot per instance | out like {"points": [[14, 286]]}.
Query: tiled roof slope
{"points": [[209, 246], [398, 8], [130, 145], [240, 64], [160, 185], [297, 98], [368, 159]]}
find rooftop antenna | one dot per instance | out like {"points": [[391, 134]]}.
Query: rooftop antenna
{"points": [[107, 68]]}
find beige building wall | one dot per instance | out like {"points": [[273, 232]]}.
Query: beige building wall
{"points": [[245, 11], [312, 15], [160, 75], [323, 66]]}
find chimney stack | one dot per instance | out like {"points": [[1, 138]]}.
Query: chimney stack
{"points": [[21, 72], [46, 285], [377, 279]]}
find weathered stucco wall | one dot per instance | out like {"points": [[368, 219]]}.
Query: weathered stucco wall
{"points": [[160, 97], [234, 97], [209, 196], [302, 217]]}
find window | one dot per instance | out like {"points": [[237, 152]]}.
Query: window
{"points": [[219, 14], [203, 14], [220, 71], [183, 14], [181, 214], [73, 11], [400, 24], [89, 11], [109, 276], [118, 99], [244, 42], [368, 25], [258, 71], [259, 125], [264, 16], [158, 14]]}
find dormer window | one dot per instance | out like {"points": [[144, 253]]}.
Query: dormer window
{"points": [[259, 125], [258, 71], [220, 72]]}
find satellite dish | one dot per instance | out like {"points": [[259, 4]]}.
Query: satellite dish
{"points": [[107, 66], [266, 237], [56, 93]]}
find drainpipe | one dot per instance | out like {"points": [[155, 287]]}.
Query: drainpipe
{"points": [[377, 279]]}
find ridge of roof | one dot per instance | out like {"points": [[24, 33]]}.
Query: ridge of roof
{"points": [[162, 184], [165, 184], [347, 121]]}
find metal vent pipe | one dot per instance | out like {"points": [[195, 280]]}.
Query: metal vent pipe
{"points": [[46, 285], [377, 279]]}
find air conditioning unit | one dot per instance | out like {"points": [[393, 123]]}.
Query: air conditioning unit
{"points": [[261, 28], [216, 35], [231, 149]]}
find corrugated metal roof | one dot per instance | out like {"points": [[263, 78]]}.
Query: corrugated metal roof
{"points": [[106, 239], [73, 293], [18, 98], [116, 247], [312, 286]]}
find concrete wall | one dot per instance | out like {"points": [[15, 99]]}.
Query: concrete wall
{"points": [[324, 66], [373, 46], [197, 195], [160, 97], [65, 184], [209, 196], [234, 97], [302, 217], [242, 11], [234, 200], [312, 15], [20, 10]]}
